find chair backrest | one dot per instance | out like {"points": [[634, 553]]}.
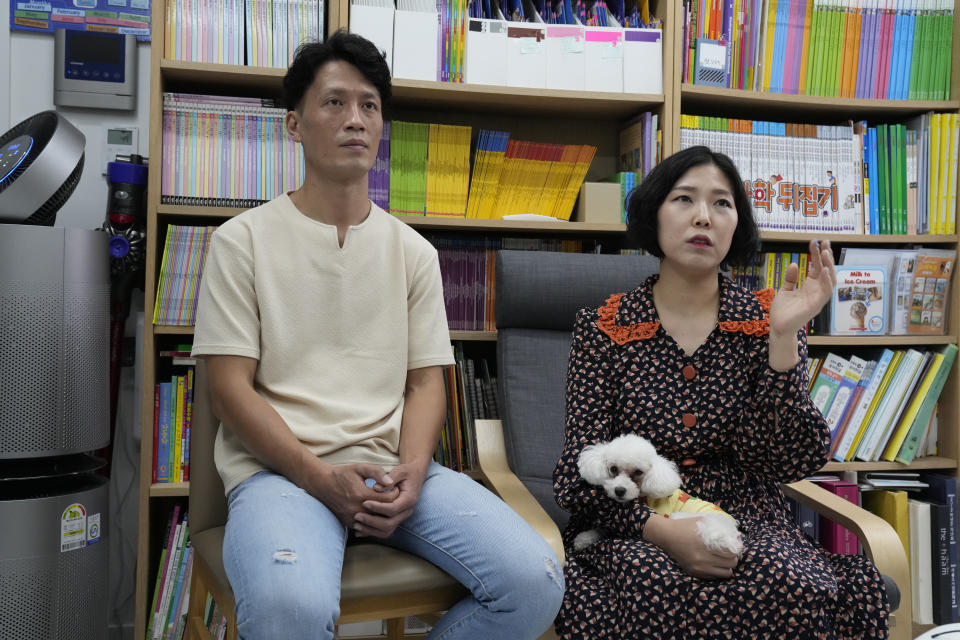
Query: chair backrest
{"points": [[208, 505], [538, 294]]}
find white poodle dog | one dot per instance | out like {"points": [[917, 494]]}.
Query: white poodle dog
{"points": [[629, 468]]}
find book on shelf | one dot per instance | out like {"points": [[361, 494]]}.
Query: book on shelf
{"points": [[942, 490], [891, 505], [226, 151], [931, 291], [925, 413], [891, 403], [850, 439], [849, 178], [920, 390], [921, 562], [834, 537], [858, 305], [845, 49], [234, 32], [171, 589], [828, 381], [846, 419], [173, 421], [181, 269], [844, 395]]}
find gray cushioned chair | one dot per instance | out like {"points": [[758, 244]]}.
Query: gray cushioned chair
{"points": [[378, 582], [537, 298]]}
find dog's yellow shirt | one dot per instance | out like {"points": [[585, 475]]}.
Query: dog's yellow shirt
{"points": [[680, 500]]}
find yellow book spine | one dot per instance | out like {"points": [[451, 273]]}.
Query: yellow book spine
{"points": [[934, 197], [893, 446], [768, 52], [875, 402], [950, 221], [177, 440]]}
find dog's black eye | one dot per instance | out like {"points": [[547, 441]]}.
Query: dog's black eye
{"points": [[614, 470], [636, 474]]}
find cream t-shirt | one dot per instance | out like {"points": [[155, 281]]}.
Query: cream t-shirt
{"points": [[334, 329]]}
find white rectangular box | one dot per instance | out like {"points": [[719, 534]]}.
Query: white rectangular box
{"points": [[604, 53], [415, 45], [643, 61], [526, 55], [376, 25], [486, 52], [566, 57]]}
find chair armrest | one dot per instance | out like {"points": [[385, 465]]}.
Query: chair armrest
{"points": [[492, 457], [880, 541]]}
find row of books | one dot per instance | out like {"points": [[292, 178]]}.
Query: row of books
{"points": [[767, 270], [472, 394], [263, 33], [424, 169], [841, 178], [467, 268], [167, 616], [172, 422], [220, 147], [181, 268], [922, 509], [890, 292], [880, 406], [213, 619], [881, 49], [640, 144]]}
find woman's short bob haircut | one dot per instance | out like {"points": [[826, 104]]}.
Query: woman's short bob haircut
{"points": [[645, 201], [347, 47]]}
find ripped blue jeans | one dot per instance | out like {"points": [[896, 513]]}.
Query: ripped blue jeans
{"points": [[283, 552]]}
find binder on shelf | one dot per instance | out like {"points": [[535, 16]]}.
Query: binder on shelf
{"points": [[711, 63], [604, 57], [643, 61], [373, 19], [566, 57], [415, 32], [486, 52], [526, 55]]}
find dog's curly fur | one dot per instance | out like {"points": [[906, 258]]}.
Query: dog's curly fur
{"points": [[628, 468]]}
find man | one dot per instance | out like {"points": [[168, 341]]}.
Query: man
{"points": [[322, 324]]}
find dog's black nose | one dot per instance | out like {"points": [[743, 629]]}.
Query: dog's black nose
{"points": [[620, 491]]}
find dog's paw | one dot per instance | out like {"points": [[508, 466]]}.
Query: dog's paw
{"points": [[585, 539], [720, 533]]}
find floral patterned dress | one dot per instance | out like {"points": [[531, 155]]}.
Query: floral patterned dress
{"points": [[737, 429]]}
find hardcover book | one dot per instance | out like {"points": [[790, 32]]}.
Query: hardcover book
{"points": [[858, 306]]}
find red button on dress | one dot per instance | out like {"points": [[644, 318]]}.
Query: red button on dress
{"points": [[689, 419], [688, 462], [689, 372]]}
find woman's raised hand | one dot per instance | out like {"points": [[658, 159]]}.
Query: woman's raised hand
{"points": [[793, 307]]}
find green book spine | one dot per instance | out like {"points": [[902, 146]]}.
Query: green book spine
{"points": [[883, 184], [839, 24], [909, 447], [814, 51], [902, 131], [915, 60]]}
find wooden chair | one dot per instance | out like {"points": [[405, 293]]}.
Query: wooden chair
{"points": [[537, 296], [378, 582]]}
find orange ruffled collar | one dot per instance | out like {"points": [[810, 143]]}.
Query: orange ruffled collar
{"points": [[622, 334]]}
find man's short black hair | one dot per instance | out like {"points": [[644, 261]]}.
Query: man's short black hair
{"points": [[348, 47], [645, 201]]}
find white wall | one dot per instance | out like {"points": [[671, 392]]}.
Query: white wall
{"points": [[26, 88], [30, 90]]}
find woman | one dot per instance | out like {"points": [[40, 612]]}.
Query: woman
{"points": [[715, 377]]}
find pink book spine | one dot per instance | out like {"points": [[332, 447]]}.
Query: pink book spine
{"points": [[833, 537]]}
